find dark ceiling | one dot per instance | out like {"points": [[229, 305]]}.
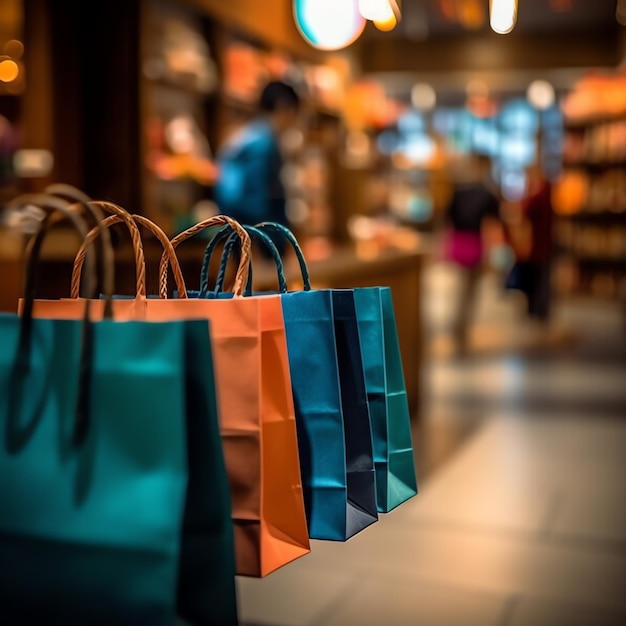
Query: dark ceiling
{"points": [[557, 40], [534, 16]]}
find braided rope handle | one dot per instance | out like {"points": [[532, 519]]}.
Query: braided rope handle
{"points": [[156, 230], [136, 241], [241, 276], [231, 241], [81, 200], [291, 238]]}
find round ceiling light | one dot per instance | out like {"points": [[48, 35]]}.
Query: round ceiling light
{"points": [[540, 94], [328, 24]]}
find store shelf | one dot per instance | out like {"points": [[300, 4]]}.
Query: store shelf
{"points": [[592, 233]]}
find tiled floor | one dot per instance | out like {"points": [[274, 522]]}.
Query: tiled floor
{"points": [[521, 515]]}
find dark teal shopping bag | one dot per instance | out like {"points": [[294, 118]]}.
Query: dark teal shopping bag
{"points": [[115, 506], [394, 457], [332, 415]]}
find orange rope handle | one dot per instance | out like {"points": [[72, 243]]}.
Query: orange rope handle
{"points": [[241, 277], [152, 227], [159, 233], [81, 200], [135, 235]]}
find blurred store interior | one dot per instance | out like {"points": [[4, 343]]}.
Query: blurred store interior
{"points": [[520, 443]]}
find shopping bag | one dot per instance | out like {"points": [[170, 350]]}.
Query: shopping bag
{"points": [[332, 417], [110, 447], [394, 457], [257, 417], [267, 534]]}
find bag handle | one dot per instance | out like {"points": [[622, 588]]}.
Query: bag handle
{"points": [[291, 238], [80, 198], [156, 230], [241, 276], [56, 209], [96, 208], [54, 206], [230, 244]]}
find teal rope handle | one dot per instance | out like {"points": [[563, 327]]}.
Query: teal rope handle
{"points": [[291, 238], [206, 259], [233, 240], [258, 234]]}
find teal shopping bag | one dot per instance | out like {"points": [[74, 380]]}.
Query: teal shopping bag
{"points": [[394, 456], [332, 415], [115, 506]]}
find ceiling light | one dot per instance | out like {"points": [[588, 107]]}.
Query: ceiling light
{"points": [[328, 24], [379, 10], [502, 15], [540, 94], [387, 24]]}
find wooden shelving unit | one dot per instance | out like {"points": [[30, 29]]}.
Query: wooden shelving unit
{"points": [[591, 230]]}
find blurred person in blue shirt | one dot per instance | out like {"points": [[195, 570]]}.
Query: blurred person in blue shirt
{"points": [[249, 187]]}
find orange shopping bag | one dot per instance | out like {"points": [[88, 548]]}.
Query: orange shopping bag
{"points": [[257, 416]]}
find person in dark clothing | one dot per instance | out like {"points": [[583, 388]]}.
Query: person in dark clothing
{"points": [[249, 187], [473, 202], [538, 212]]}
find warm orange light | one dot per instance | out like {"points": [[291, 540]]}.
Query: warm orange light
{"points": [[9, 70], [387, 24], [472, 14]]}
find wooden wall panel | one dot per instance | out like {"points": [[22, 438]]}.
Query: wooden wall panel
{"points": [[269, 20]]}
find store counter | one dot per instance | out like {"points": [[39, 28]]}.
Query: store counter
{"points": [[397, 268]]}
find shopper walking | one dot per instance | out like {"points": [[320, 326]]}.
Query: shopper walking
{"points": [[473, 202]]}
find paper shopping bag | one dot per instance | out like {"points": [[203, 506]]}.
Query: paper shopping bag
{"points": [[396, 479], [114, 494], [257, 416], [334, 437], [394, 458]]}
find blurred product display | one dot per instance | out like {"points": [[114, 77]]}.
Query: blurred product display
{"points": [[590, 197], [378, 139]]}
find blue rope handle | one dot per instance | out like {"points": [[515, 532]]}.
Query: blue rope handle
{"points": [[231, 242], [291, 238]]}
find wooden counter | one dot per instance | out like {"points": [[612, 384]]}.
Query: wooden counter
{"points": [[399, 269]]}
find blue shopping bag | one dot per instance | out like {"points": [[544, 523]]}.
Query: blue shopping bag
{"points": [[394, 457], [332, 413]]}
